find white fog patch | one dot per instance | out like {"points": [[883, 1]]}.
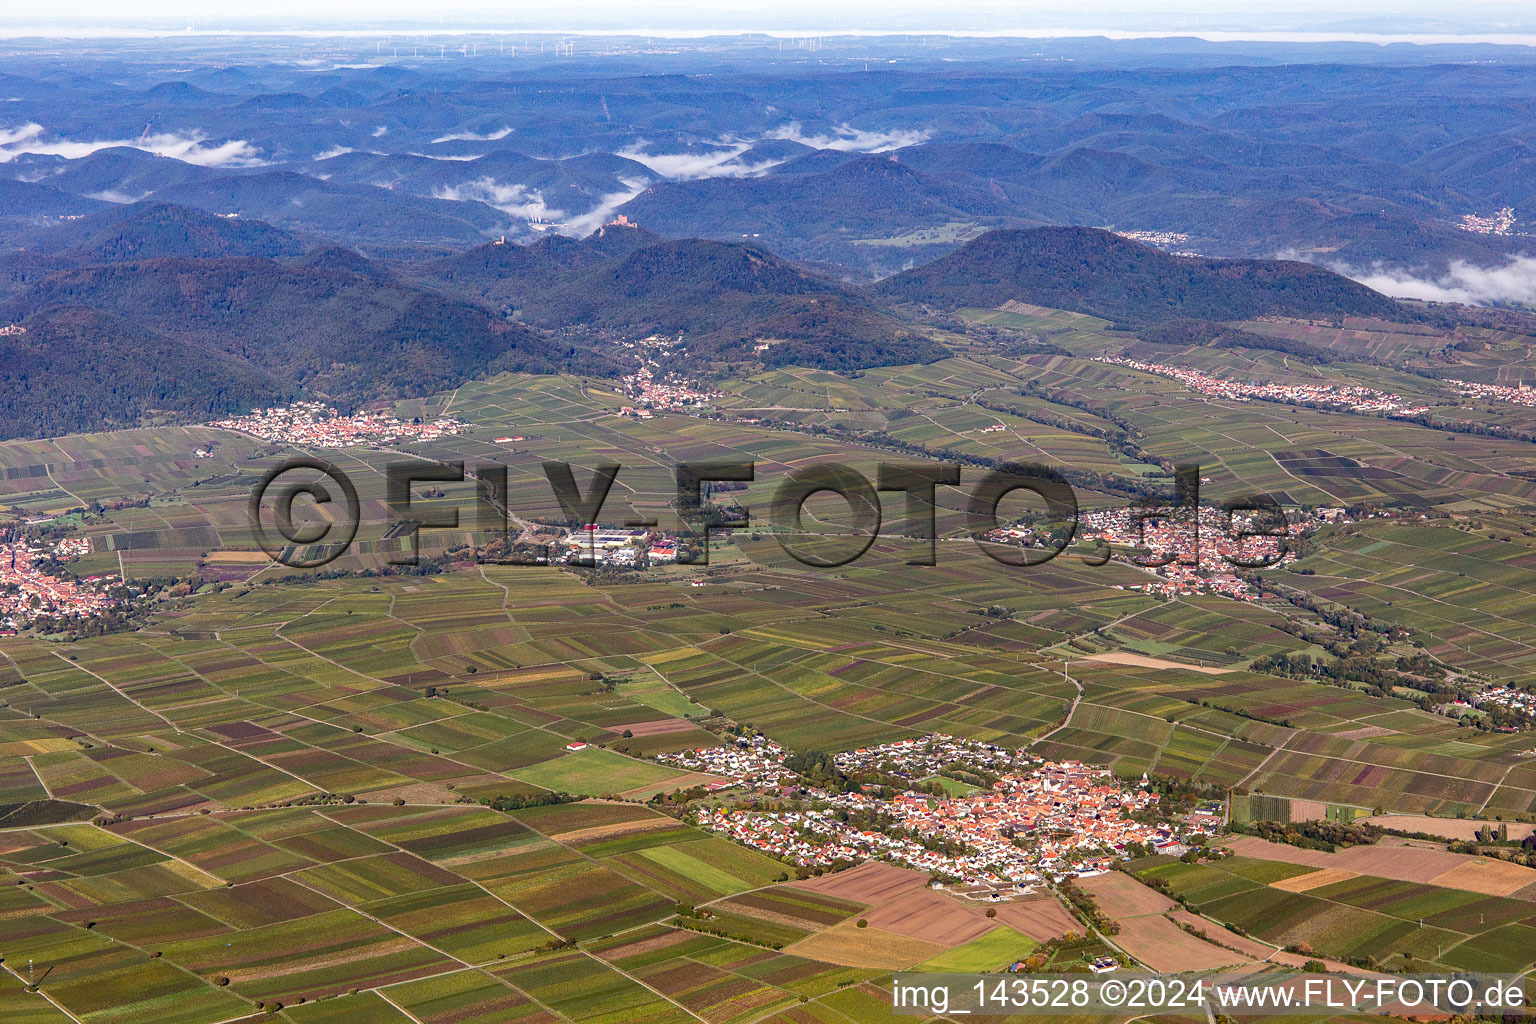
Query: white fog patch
{"points": [[518, 201], [13, 135], [1514, 282], [852, 140], [580, 227], [379, 131], [725, 162], [334, 151], [191, 147], [524, 203], [113, 196], [500, 133]]}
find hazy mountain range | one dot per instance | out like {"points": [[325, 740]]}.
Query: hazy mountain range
{"points": [[864, 168], [367, 230]]}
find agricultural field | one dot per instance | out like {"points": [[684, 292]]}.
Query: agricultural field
{"points": [[1441, 917], [365, 795]]}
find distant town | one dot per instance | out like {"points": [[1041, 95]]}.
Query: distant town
{"points": [[1501, 223], [1034, 820], [316, 425], [653, 391], [29, 590], [1522, 395], [1162, 239], [1352, 397]]}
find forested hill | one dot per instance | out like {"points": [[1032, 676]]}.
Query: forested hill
{"points": [[730, 299], [511, 276], [71, 369], [338, 334], [1091, 271], [161, 230]]}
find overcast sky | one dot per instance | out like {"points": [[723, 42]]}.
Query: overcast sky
{"points": [[1352, 16]]}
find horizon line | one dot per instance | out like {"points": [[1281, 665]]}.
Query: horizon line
{"points": [[50, 32]]}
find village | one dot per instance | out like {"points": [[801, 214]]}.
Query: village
{"points": [[1038, 822], [1507, 698], [316, 425], [1199, 555], [654, 391], [750, 761], [1351, 397], [1185, 559], [1166, 240], [1502, 222], [28, 591], [1522, 395], [653, 394]]}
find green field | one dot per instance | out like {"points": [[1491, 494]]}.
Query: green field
{"points": [[1393, 923], [1000, 947], [289, 767]]}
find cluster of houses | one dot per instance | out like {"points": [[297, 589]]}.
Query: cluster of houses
{"points": [[1060, 818], [1501, 223], [27, 590], [316, 425], [748, 760], [1161, 240], [926, 756], [1040, 820], [1353, 397], [1507, 697], [652, 393], [1199, 559], [1522, 395], [1195, 561]]}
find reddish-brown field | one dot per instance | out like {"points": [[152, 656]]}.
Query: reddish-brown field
{"points": [[1164, 946], [1121, 896], [665, 725], [871, 882], [1403, 863], [931, 916], [1223, 936], [1450, 828], [1040, 919]]}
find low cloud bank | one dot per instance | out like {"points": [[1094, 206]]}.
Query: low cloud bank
{"points": [[853, 140], [498, 134], [518, 201], [580, 227], [725, 162], [188, 147], [1513, 283], [528, 204]]}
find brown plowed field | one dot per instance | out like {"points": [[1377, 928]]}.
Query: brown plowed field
{"points": [[1224, 936], [1121, 896], [852, 946], [931, 916], [871, 882], [1164, 946], [1040, 919], [1404, 864]]}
